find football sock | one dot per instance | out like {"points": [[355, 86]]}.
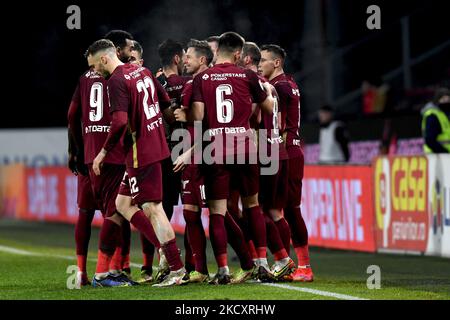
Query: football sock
{"points": [[126, 242], [109, 235], [224, 270], [237, 242], [82, 236], [189, 262], [299, 232], [285, 233], [148, 251], [302, 255], [197, 239], [171, 252], [116, 261], [274, 240], [218, 235], [257, 229], [140, 221], [243, 224]]}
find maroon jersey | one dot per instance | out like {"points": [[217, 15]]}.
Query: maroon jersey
{"points": [[91, 95], [271, 124], [289, 103], [186, 101], [174, 87], [228, 92], [133, 89]]}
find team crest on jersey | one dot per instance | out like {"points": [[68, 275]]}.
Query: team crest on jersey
{"points": [[205, 77]]}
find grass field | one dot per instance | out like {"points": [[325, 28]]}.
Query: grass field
{"points": [[34, 258]]}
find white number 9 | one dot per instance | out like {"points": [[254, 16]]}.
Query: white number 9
{"points": [[96, 102]]}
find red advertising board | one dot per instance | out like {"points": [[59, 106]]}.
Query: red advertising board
{"points": [[400, 202], [337, 206], [52, 196]]}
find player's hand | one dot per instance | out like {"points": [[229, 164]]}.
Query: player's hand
{"points": [[268, 87], [96, 165], [181, 161], [72, 164], [180, 115]]}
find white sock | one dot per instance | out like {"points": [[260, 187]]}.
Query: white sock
{"points": [[224, 270], [101, 276]]}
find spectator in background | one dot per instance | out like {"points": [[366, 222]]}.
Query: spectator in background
{"points": [[333, 139], [375, 94], [436, 123]]}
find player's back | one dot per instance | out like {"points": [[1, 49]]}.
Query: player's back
{"points": [[289, 95], [228, 92], [138, 93], [95, 117]]}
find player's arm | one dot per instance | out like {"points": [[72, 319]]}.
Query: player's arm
{"points": [[75, 136], [261, 92], [166, 105], [197, 112], [267, 104]]}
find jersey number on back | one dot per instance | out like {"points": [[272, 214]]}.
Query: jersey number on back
{"points": [[224, 107], [153, 109], [96, 102]]}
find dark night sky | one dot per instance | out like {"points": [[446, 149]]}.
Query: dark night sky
{"points": [[45, 59]]}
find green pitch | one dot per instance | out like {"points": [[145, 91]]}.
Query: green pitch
{"points": [[34, 258]]}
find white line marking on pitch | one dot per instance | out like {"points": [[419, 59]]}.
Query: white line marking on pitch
{"points": [[314, 291], [135, 265]]}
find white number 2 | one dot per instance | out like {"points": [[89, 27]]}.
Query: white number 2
{"points": [[152, 110], [96, 102], [224, 107]]}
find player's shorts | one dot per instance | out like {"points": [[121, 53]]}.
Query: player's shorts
{"points": [[273, 189], [85, 194], [106, 186], [143, 184], [193, 187], [171, 182], [219, 178], [296, 166]]}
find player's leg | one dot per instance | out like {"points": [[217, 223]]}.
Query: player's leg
{"points": [[292, 213], [105, 188], [241, 220], [146, 191], [193, 198], [217, 182], [249, 188], [86, 212]]}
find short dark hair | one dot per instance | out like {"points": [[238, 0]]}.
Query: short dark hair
{"points": [[326, 108], [213, 39], [169, 49], [99, 45], [137, 46], [230, 42], [202, 48], [251, 49], [119, 37], [440, 92], [278, 51]]}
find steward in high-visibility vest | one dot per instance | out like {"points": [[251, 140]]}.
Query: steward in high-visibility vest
{"points": [[436, 125]]}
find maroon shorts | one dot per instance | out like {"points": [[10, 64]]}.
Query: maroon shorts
{"points": [[85, 194], [296, 166], [106, 186], [143, 184], [220, 178], [273, 189], [193, 186]]}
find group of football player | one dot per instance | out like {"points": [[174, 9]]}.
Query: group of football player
{"points": [[122, 121]]}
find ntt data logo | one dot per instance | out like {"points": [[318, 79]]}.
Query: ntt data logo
{"points": [[205, 77]]}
